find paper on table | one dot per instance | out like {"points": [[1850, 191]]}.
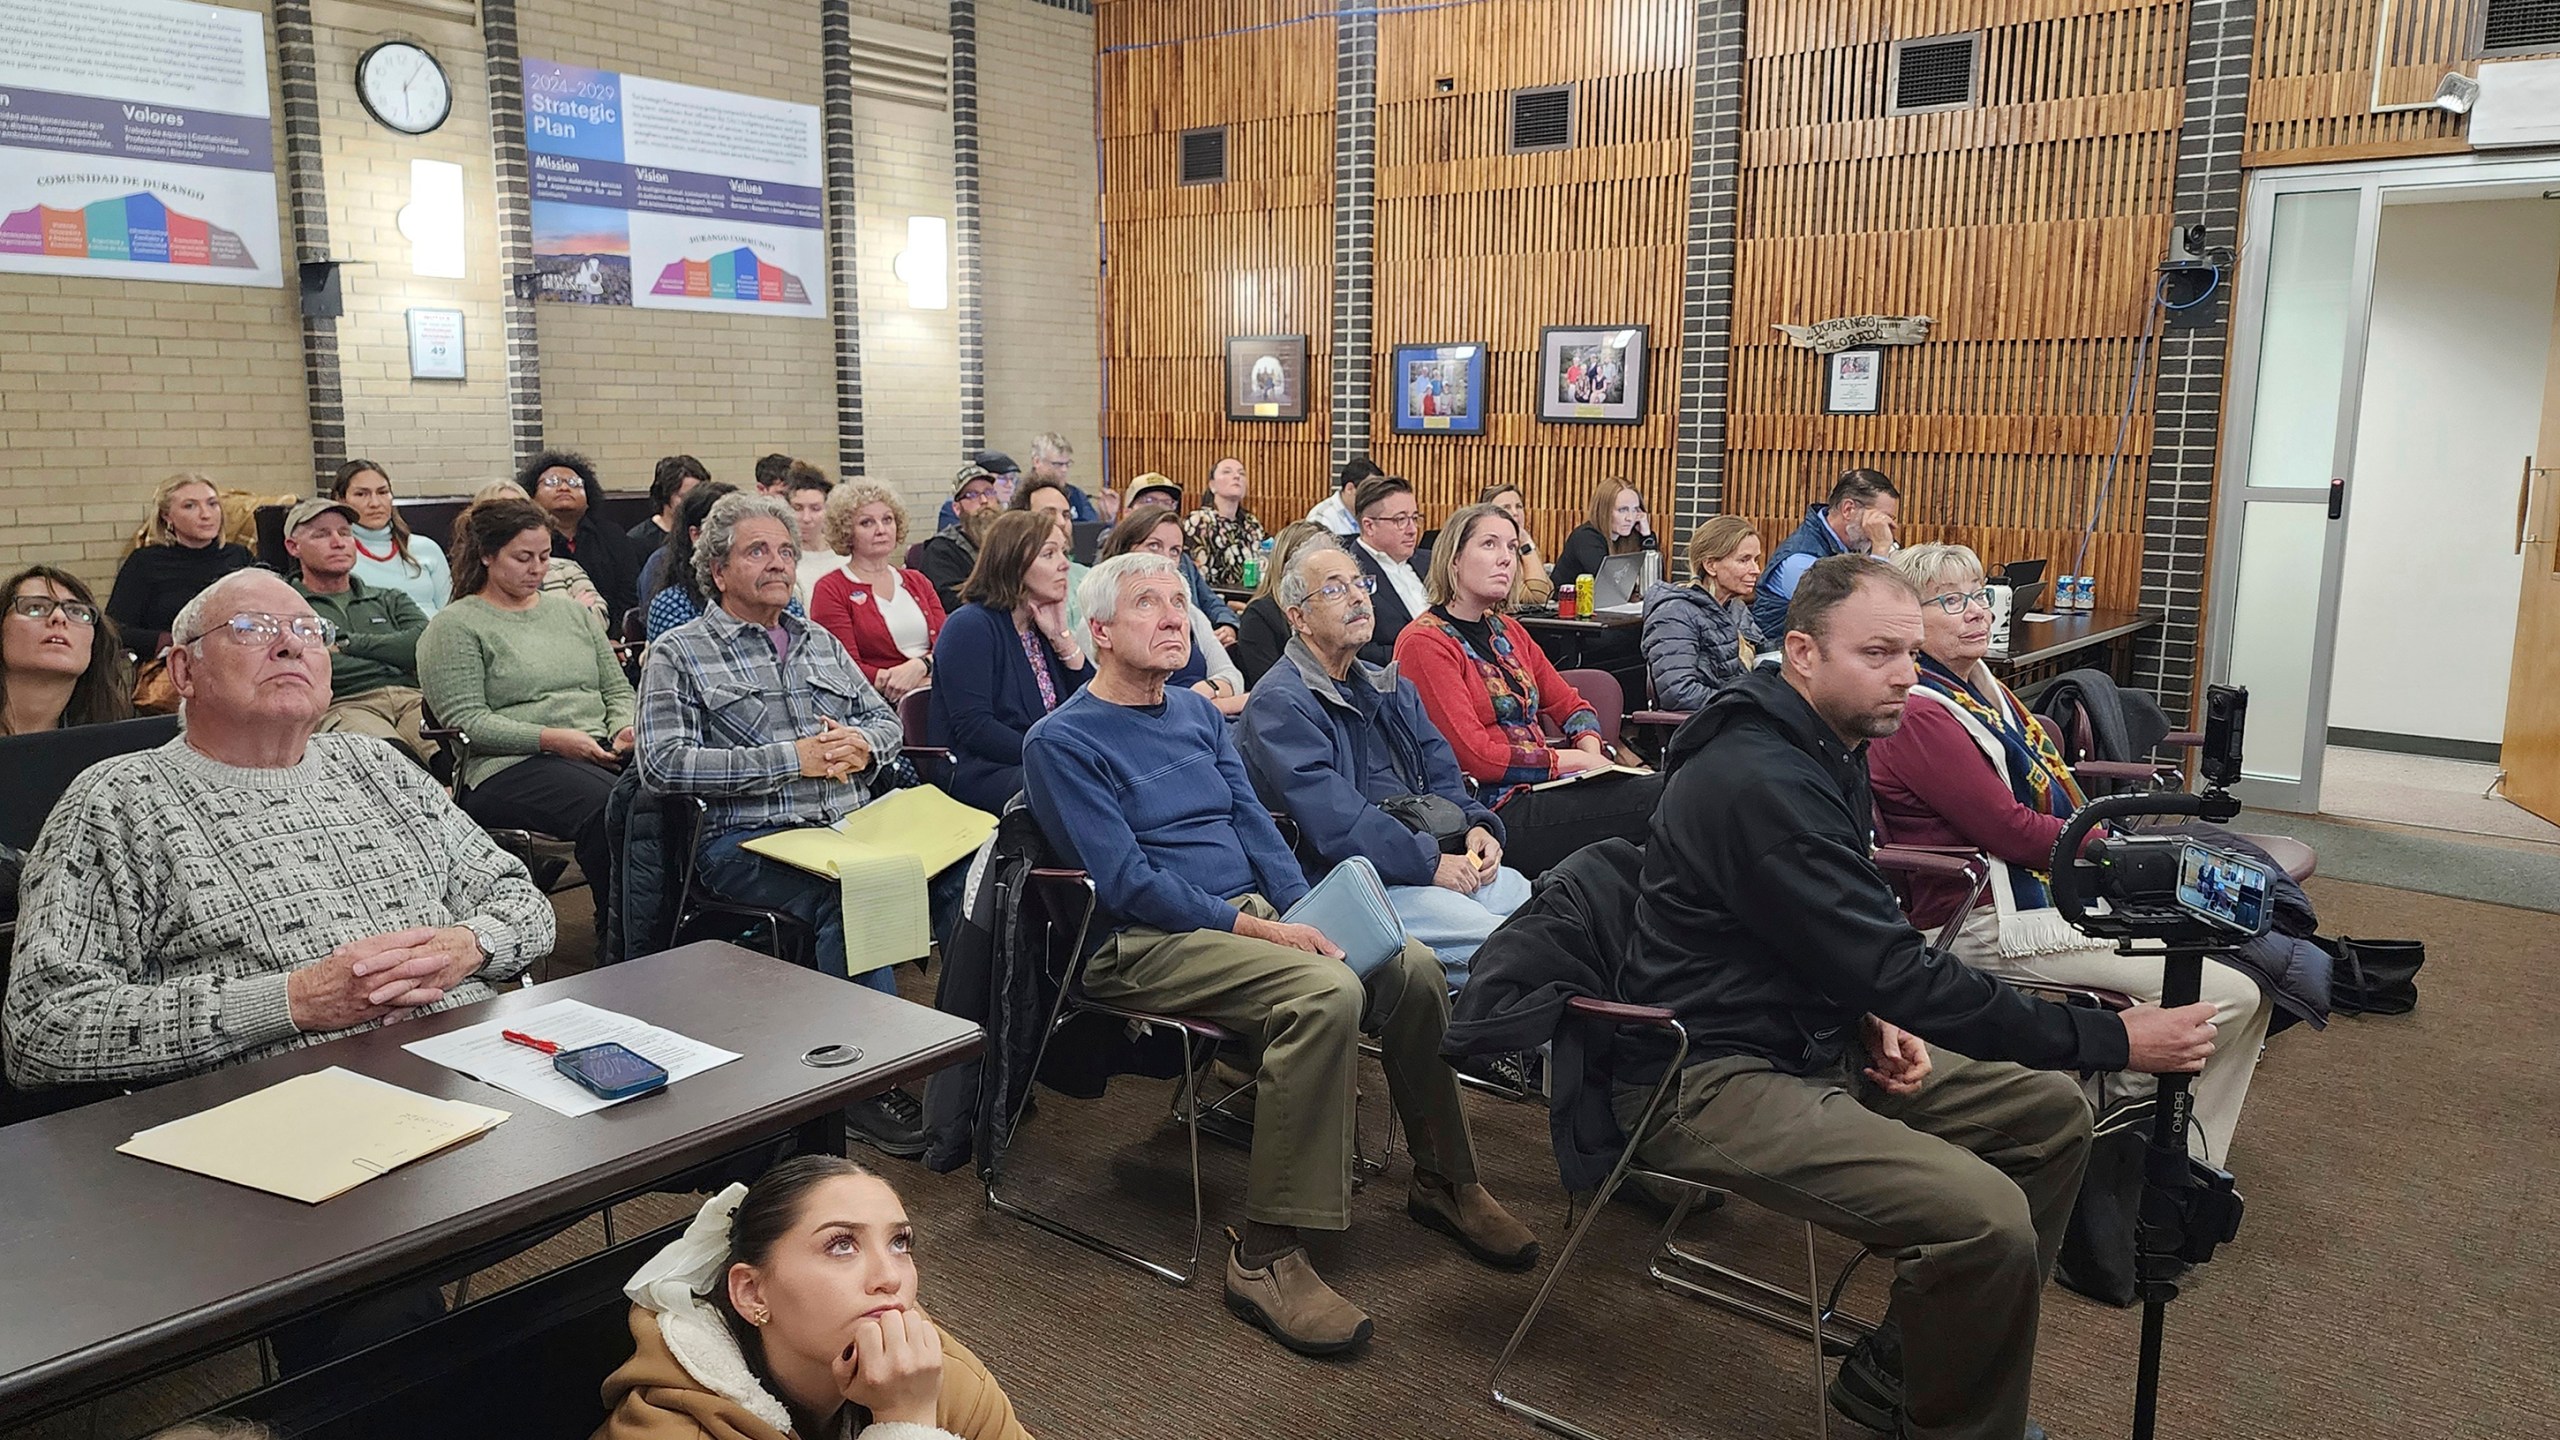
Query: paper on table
{"points": [[485, 1054], [1632, 607], [313, 1136]]}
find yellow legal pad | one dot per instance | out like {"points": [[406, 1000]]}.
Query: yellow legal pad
{"points": [[880, 855], [314, 1136]]}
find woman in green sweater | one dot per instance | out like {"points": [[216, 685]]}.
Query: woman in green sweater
{"points": [[532, 683]]}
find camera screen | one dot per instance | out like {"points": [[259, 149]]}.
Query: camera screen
{"points": [[2222, 887]]}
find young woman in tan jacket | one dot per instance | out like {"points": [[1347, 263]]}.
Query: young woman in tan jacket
{"points": [[788, 1311]]}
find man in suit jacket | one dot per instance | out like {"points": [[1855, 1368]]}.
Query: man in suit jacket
{"points": [[1390, 533]]}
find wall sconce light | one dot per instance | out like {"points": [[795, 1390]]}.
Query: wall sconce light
{"points": [[432, 220], [925, 265]]}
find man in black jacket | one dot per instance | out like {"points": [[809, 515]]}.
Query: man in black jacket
{"points": [[1762, 923]]}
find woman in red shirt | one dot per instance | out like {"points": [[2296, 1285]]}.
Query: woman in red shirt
{"points": [[887, 616], [1487, 686]]}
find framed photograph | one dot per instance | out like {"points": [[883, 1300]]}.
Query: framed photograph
{"points": [[1267, 377], [435, 345], [1592, 376], [1439, 389], [1853, 381]]}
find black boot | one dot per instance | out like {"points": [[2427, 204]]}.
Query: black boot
{"points": [[891, 1122]]}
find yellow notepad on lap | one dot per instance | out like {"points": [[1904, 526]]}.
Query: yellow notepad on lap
{"points": [[881, 854], [314, 1136]]}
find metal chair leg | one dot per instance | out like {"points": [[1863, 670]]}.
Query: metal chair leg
{"points": [[1772, 1304], [1813, 1283]]}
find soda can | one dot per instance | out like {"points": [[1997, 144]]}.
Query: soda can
{"points": [[2084, 592], [2065, 592]]}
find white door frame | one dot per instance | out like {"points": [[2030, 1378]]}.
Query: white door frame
{"points": [[2232, 491]]}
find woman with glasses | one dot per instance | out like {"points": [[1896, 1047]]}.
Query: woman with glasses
{"points": [[61, 661], [1700, 637], [1262, 631], [388, 555], [1494, 696], [533, 685], [1617, 525], [1007, 657], [1157, 530], [179, 552], [1970, 767], [1535, 587]]}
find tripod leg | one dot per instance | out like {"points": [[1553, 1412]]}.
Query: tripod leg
{"points": [[2164, 1174]]}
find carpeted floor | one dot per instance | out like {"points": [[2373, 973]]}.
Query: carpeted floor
{"points": [[2392, 1281], [2424, 790], [2492, 869]]}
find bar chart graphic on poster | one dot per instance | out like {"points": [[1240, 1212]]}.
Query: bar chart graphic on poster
{"points": [[136, 142], [667, 196]]}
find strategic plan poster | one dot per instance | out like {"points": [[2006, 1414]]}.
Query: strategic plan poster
{"points": [[135, 142], [671, 196]]}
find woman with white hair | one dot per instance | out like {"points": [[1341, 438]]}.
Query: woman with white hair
{"points": [[1971, 767]]}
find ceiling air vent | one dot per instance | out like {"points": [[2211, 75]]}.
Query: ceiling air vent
{"points": [[1204, 156], [2519, 27], [1542, 119], [1938, 73]]}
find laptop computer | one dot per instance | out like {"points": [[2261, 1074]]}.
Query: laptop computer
{"points": [[1620, 579], [2025, 579]]}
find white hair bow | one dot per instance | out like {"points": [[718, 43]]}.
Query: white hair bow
{"points": [[693, 1264]]}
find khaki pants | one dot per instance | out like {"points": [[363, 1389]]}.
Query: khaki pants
{"points": [[2240, 1016], [1302, 1016], [1967, 1185], [391, 713]]}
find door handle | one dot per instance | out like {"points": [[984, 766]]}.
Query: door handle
{"points": [[2524, 502], [2337, 497]]}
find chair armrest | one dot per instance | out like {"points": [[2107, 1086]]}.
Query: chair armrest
{"points": [[442, 734], [2181, 740], [2128, 771], [1910, 860], [1669, 719], [1048, 873], [925, 752], [1617, 1012]]}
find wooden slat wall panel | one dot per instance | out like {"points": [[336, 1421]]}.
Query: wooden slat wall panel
{"points": [[2028, 228], [1187, 266], [1476, 244], [2311, 85]]}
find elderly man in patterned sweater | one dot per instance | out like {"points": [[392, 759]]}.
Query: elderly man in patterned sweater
{"points": [[252, 886]]}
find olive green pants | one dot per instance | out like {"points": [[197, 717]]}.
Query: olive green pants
{"points": [[1302, 1016]]}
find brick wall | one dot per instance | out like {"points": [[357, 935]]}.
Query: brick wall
{"points": [[627, 385], [910, 357], [106, 386], [1042, 255]]}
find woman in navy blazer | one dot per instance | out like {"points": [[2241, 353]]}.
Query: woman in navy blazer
{"points": [[987, 693]]}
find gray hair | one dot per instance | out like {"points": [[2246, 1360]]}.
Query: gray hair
{"points": [[1294, 587], [1926, 565], [190, 620], [1050, 445], [1100, 596], [720, 533]]}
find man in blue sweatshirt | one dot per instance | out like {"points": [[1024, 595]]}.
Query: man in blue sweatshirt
{"points": [[1858, 520], [1141, 786]]}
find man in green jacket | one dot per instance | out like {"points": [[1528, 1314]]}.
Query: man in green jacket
{"points": [[373, 677]]}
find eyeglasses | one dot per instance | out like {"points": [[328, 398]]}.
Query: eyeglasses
{"points": [[561, 482], [1957, 602], [254, 629], [40, 608], [1333, 590], [1405, 521]]}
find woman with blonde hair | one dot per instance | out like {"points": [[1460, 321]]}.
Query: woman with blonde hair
{"points": [[887, 616], [180, 552], [1700, 637]]}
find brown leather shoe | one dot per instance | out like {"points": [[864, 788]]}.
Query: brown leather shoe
{"points": [[1470, 1215], [1291, 1301]]}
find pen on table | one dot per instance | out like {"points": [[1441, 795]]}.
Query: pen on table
{"points": [[518, 1037]]}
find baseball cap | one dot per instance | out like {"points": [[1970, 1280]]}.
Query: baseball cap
{"points": [[312, 509], [996, 462], [1151, 481], [968, 472]]}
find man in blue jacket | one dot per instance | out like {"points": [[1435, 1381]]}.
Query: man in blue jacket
{"points": [[1140, 785], [1857, 520], [1328, 737]]}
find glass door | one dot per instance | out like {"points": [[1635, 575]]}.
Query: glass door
{"points": [[2305, 286]]}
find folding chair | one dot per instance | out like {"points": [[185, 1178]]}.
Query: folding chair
{"points": [[1817, 1319], [788, 939], [1067, 903], [547, 857]]}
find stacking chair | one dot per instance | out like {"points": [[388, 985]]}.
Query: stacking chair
{"points": [[915, 724], [546, 856], [1066, 905], [786, 937], [1814, 1314]]}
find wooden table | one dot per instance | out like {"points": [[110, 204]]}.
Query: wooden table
{"points": [[1565, 640], [2037, 648], [119, 1268]]}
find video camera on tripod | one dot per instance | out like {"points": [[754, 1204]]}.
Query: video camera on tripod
{"points": [[2172, 897]]}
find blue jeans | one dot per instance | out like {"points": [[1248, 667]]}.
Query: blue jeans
{"points": [[736, 873], [1453, 925]]}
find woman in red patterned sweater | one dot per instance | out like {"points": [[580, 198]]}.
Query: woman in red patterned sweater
{"points": [[1487, 686]]}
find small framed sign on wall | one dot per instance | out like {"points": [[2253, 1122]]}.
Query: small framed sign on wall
{"points": [[1853, 381], [435, 345]]}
